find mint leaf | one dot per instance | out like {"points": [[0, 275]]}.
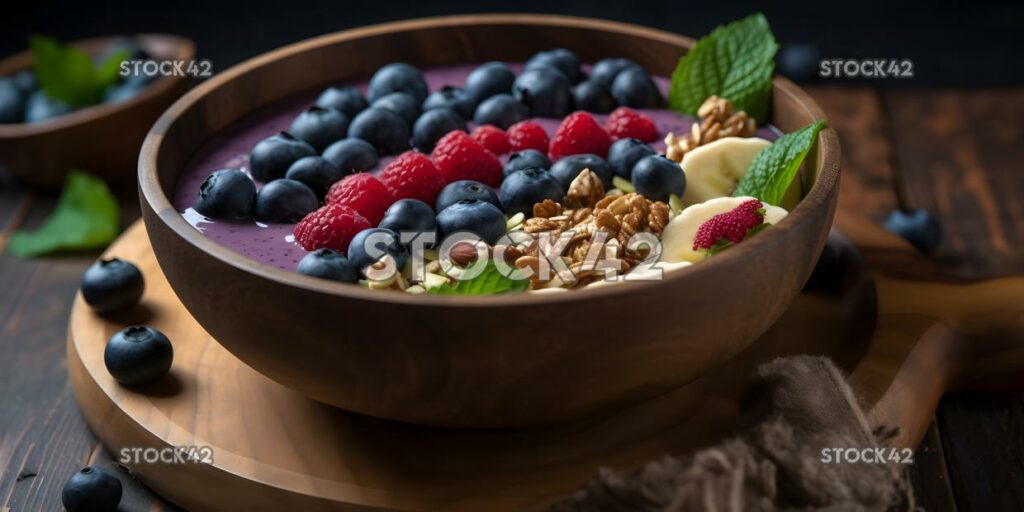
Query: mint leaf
{"points": [[735, 62], [489, 282], [775, 166], [86, 217], [69, 75]]}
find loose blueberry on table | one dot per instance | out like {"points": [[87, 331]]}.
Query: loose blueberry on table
{"points": [[554, 146], [91, 489]]}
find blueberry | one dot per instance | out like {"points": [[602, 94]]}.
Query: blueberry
{"points": [[12, 102], [409, 215], [385, 130], [453, 98], [138, 355], [565, 61], [656, 178], [285, 200], [501, 110], [625, 153], [272, 156], [472, 215], [25, 80], [566, 169], [433, 125], [465, 189], [328, 264], [605, 70], [523, 189], [317, 173], [226, 194], [370, 245], [351, 155], [320, 126], [346, 99], [123, 91], [397, 77], [91, 490], [799, 61], [526, 159], [488, 79], [593, 97], [113, 285], [403, 104], [40, 108], [918, 227], [634, 88], [828, 273], [544, 91]]}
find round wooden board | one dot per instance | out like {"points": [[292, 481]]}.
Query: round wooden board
{"points": [[273, 449]]}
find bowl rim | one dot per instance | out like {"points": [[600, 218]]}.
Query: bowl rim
{"points": [[152, 193], [184, 48]]}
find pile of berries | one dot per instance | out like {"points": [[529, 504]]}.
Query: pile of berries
{"points": [[444, 179]]}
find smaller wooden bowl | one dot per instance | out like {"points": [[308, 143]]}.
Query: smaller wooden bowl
{"points": [[102, 139]]}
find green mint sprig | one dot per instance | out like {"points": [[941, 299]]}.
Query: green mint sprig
{"points": [[86, 217], [490, 282], [735, 62], [69, 75], [775, 166]]}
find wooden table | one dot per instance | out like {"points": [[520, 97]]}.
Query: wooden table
{"points": [[955, 153]]}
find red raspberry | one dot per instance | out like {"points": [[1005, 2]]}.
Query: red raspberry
{"points": [[459, 157], [625, 123], [413, 176], [528, 135], [363, 193], [579, 133], [492, 138], [732, 226], [332, 226]]}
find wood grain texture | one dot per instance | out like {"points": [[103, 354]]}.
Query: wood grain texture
{"points": [[446, 361], [103, 139]]}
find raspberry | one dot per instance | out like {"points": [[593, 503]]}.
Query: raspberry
{"points": [[459, 157], [363, 193], [625, 123], [492, 138], [528, 135], [413, 176], [332, 226], [732, 226], [579, 133]]}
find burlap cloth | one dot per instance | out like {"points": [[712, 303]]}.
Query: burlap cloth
{"points": [[803, 405]]}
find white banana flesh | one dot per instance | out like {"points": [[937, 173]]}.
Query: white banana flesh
{"points": [[678, 236], [716, 169]]}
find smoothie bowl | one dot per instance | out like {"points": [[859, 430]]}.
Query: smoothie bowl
{"points": [[423, 346]]}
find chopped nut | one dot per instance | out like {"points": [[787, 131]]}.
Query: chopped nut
{"points": [[658, 218], [717, 120], [547, 208], [605, 220], [463, 254], [585, 190]]}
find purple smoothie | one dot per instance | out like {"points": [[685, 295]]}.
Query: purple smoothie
{"points": [[273, 244]]}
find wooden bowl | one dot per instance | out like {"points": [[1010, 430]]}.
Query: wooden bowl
{"points": [[102, 139], [499, 361]]}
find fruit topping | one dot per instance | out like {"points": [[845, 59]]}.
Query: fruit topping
{"points": [[414, 176], [363, 193], [565, 61], [633, 87], [465, 189], [625, 153], [479, 217], [527, 159], [523, 189], [459, 157], [544, 90], [528, 135], [566, 169], [579, 133], [409, 215], [372, 245], [272, 156], [226, 194], [400, 103], [317, 173], [592, 96], [346, 99], [320, 126], [656, 178], [625, 122], [453, 98], [501, 110], [730, 227], [397, 77], [433, 125], [605, 70], [385, 130], [285, 200], [492, 138], [488, 79], [351, 155], [331, 226], [328, 264]]}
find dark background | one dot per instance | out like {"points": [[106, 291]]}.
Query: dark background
{"points": [[951, 43]]}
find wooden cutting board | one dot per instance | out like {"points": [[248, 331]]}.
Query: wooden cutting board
{"points": [[905, 343]]}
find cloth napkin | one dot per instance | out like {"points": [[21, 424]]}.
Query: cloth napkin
{"points": [[802, 405]]}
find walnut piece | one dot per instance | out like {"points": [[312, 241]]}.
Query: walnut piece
{"points": [[584, 191], [717, 121]]}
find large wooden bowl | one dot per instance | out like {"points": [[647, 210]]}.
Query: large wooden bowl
{"points": [[500, 361], [102, 139]]}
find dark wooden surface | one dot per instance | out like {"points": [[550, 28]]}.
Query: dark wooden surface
{"points": [[957, 153]]}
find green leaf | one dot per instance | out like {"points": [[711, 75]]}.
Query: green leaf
{"points": [[735, 62], [69, 75], [489, 282], [775, 166], [86, 217]]}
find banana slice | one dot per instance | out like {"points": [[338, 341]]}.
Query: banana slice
{"points": [[715, 169], [677, 238]]}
